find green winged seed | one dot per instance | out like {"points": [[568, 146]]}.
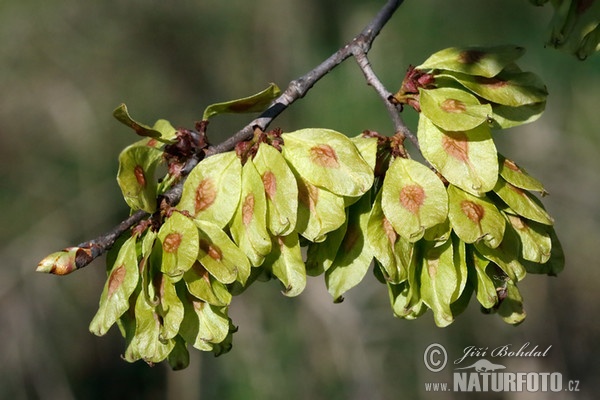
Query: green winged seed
{"points": [[413, 257], [413, 198], [522, 202], [170, 309], [367, 147], [438, 233], [281, 190], [220, 256], [555, 263], [462, 303], [390, 249], [120, 285], [179, 357], [466, 159], [202, 285], [482, 61], [504, 117], [401, 302], [256, 103], [536, 244], [249, 225], [146, 343], [320, 255], [439, 280], [354, 255], [137, 165], [453, 109], [329, 160], [212, 190], [203, 325], [509, 88], [506, 256], [179, 240], [516, 176], [286, 264], [319, 211], [484, 286], [460, 263], [475, 219], [511, 308]]}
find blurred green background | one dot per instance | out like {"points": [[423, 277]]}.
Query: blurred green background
{"points": [[66, 64]]}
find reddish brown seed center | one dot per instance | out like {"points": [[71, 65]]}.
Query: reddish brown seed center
{"points": [[138, 171], [211, 249], [325, 156], [308, 195], [470, 56], [493, 83], [389, 231], [511, 165], [206, 194], [515, 189], [248, 209], [456, 144], [270, 184], [172, 242], [473, 211], [117, 277], [352, 236], [453, 106], [412, 197]]}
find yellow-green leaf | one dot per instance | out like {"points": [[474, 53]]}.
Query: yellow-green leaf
{"points": [[162, 130], [256, 103]]}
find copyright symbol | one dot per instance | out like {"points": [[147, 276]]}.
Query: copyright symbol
{"points": [[435, 357]]}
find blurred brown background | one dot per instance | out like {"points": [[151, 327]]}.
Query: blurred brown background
{"points": [[66, 64]]}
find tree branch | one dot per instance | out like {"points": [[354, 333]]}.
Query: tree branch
{"points": [[86, 252]]}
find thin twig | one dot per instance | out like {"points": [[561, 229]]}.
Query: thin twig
{"points": [[296, 90], [299, 87], [384, 94]]}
